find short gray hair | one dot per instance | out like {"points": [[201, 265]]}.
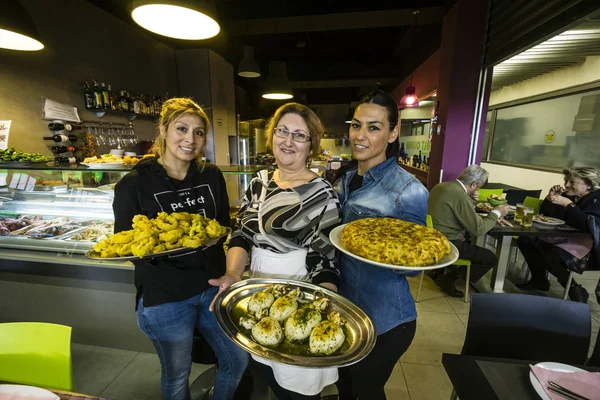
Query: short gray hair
{"points": [[473, 174], [589, 175]]}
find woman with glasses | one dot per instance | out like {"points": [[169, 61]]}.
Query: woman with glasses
{"points": [[374, 185], [284, 222], [576, 204]]}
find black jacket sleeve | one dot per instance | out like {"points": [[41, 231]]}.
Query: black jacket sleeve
{"points": [[126, 203], [577, 216]]}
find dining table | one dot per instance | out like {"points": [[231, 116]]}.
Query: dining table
{"points": [[477, 377], [504, 236]]}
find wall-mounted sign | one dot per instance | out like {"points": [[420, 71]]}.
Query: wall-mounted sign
{"points": [[4, 130], [549, 137], [53, 110]]}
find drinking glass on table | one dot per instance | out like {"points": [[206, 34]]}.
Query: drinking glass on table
{"points": [[527, 219], [519, 212]]}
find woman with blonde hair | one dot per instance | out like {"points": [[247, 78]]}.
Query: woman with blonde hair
{"points": [[174, 293], [284, 222], [578, 204]]}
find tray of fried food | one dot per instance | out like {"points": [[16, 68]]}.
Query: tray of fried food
{"points": [[296, 323], [165, 235]]}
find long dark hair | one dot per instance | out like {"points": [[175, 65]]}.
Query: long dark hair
{"points": [[386, 101]]}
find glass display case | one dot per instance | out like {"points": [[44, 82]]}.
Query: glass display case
{"points": [[56, 214]]}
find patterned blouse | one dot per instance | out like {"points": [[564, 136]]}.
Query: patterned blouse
{"points": [[284, 220]]}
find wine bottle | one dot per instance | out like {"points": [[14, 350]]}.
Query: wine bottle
{"points": [[88, 96], [61, 138], [61, 160], [97, 95], [56, 126], [112, 102], [63, 149], [105, 98]]}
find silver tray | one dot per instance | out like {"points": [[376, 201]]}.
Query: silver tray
{"points": [[360, 332], [179, 251]]}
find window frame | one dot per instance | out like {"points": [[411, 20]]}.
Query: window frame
{"points": [[578, 89]]}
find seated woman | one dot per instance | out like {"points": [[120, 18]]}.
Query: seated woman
{"points": [[574, 204]]}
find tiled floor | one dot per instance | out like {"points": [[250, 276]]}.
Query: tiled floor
{"points": [[419, 375]]}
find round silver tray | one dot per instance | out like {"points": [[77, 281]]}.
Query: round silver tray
{"points": [[448, 259], [181, 250], [360, 332]]}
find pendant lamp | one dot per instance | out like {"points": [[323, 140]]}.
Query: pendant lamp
{"points": [[350, 115], [248, 67], [178, 19], [277, 86], [17, 30], [410, 99]]}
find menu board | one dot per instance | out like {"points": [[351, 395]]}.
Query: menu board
{"points": [[53, 110]]}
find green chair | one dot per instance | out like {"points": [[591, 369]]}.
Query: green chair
{"points": [[460, 262], [534, 203], [485, 193], [37, 354]]}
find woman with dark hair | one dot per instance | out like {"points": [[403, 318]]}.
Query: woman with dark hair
{"points": [[576, 203], [374, 185]]}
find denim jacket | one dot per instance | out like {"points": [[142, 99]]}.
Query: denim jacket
{"points": [[387, 191]]}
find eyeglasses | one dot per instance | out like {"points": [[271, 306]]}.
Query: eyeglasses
{"points": [[300, 137]]}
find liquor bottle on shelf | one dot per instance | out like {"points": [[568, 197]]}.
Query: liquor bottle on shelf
{"points": [[123, 104], [105, 98], [112, 102], [58, 138], [64, 149], [419, 160], [88, 96], [130, 99], [97, 95], [62, 160], [56, 126]]}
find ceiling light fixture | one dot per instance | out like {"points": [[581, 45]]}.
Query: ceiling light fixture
{"points": [[350, 115], [179, 19], [17, 30], [277, 86], [410, 99], [248, 67]]}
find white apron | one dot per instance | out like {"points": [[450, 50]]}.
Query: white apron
{"points": [[292, 265]]}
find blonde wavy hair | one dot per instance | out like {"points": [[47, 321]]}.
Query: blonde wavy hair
{"points": [[171, 110], [312, 121], [589, 175]]}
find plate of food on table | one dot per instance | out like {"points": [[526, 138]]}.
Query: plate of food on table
{"points": [[393, 243], [167, 234], [295, 323], [550, 221]]}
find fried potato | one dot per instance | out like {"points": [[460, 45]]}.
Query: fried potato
{"points": [[165, 232]]}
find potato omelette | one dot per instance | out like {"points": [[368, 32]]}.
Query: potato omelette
{"points": [[393, 241]]}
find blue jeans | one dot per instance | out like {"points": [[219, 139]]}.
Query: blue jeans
{"points": [[170, 327]]}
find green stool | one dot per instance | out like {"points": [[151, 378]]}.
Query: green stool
{"points": [[459, 262], [37, 354]]}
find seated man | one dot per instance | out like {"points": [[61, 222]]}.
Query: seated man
{"points": [[451, 206]]}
